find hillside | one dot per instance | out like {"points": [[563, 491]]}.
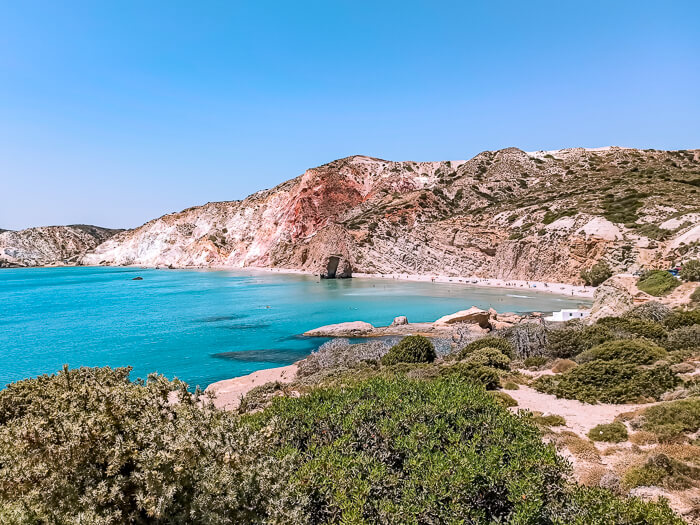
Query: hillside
{"points": [[504, 214], [48, 245]]}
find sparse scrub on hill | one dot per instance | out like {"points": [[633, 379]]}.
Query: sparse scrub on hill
{"points": [[615, 432], [613, 381], [661, 470], [597, 274], [411, 349], [657, 282], [684, 338], [489, 356], [695, 296]]}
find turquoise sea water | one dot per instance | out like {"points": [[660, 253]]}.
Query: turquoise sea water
{"points": [[203, 326]]}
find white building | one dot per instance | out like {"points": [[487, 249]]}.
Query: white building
{"points": [[567, 315]]}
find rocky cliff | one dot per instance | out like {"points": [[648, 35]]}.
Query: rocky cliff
{"points": [[49, 245], [506, 214]]}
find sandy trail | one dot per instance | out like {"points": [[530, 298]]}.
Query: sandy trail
{"points": [[228, 392], [580, 417]]}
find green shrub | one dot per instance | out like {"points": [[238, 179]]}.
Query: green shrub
{"points": [[488, 356], [690, 271], [535, 362], [551, 420], [630, 327], [683, 318], [411, 349], [90, 446], [487, 342], [657, 282], [649, 311], [609, 382], [574, 337], [510, 385], [662, 471], [504, 399], [684, 338], [610, 433], [638, 351], [563, 365], [598, 273], [695, 296], [673, 419], [475, 373]]}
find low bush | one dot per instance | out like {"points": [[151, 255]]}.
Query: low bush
{"points": [[657, 282], [597, 274], [573, 337], [609, 382], [638, 351], [683, 318], [475, 373], [671, 420], [551, 420], [411, 349], [610, 433], [504, 399], [630, 327], [695, 296], [488, 356], [684, 338], [488, 342], [510, 385], [563, 365], [690, 271], [535, 362], [661, 470], [340, 354], [649, 311]]}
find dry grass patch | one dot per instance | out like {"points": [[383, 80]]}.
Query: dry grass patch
{"points": [[580, 448]]}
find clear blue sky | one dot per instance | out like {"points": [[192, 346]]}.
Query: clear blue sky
{"points": [[115, 112]]}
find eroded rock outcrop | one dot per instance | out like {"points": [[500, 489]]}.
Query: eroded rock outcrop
{"points": [[506, 214], [49, 245]]}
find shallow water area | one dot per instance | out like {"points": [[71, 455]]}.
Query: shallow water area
{"points": [[206, 325]]}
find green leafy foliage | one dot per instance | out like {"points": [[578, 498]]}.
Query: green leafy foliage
{"points": [[662, 471], [657, 282], [684, 338], [649, 311], [613, 381], [475, 373], [673, 419], [598, 273], [610, 433], [690, 271], [489, 356], [631, 327], [574, 337], [90, 446], [683, 318], [488, 342], [411, 349], [638, 351]]}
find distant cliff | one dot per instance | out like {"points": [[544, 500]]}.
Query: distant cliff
{"points": [[49, 245], [506, 214]]}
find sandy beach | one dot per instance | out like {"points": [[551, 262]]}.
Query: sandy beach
{"points": [[570, 290]]}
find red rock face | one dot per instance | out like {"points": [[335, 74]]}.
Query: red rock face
{"points": [[322, 196]]}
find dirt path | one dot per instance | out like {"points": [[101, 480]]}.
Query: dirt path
{"points": [[580, 417]]}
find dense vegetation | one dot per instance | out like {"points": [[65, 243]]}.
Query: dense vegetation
{"points": [[90, 446], [598, 273], [657, 282], [381, 433]]}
